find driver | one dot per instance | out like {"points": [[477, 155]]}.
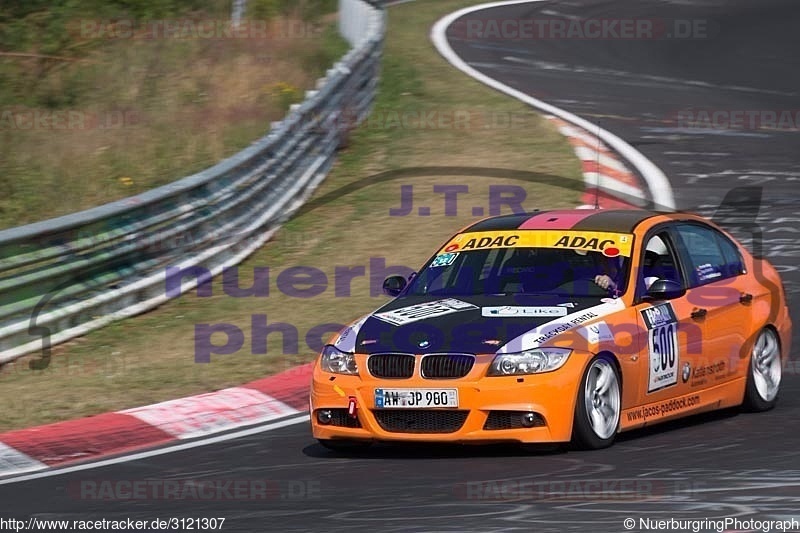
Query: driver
{"points": [[650, 272], [607, 279], [607, 271]]}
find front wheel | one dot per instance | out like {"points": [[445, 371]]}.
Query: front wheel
{"points": [[764, 374], [597, 411]]}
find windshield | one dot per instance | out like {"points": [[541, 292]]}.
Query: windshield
{"points": [[515, 269]]}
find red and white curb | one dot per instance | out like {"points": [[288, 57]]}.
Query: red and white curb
{"points": [[607, 179], [205, 414], [271, 398]]}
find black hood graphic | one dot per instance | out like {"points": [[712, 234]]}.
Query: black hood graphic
{"points": [[456, 324]]}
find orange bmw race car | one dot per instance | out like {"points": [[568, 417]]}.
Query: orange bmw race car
{"points": [[558, 326]]}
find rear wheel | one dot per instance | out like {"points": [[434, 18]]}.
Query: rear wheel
{"points": [[764, 374], [597, 411]]}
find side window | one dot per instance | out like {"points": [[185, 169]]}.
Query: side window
{"points": [[658, 262], [708, 261]]}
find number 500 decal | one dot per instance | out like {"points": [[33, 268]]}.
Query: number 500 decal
{"points": [[662, 326]]}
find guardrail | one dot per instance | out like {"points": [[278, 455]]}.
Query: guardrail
{"points": [[63, 277]]}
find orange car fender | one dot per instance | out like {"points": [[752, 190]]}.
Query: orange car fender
{"points": [[768, 307]]}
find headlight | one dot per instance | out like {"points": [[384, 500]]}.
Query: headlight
{"points": [[529, 361], [338, 362]]}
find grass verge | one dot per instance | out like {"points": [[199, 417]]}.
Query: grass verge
{"points": [[93, 111], [419, 120]]}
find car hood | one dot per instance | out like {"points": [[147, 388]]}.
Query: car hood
{"points": [[460, 324]]}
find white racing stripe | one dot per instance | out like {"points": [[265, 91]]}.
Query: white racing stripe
{"points": [[541, 334], [346, 341], [657, 182]]}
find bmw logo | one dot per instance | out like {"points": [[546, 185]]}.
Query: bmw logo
{"points": [[424, 344], [687, 371]]}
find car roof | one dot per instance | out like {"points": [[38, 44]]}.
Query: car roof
{"points": [[611, 220]]}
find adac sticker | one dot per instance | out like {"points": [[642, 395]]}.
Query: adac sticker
{"points": [[608, 247], [609, 244], [487, 241]]}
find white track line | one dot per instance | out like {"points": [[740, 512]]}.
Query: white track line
{"points": [[657, 182]]}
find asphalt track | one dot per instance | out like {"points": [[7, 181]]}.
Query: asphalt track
{"points": [[715, 466]]}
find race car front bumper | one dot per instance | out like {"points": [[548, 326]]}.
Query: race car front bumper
{"points": [[536, 408]]}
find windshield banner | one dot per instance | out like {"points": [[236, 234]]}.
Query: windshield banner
{"points": [[610, 244]]}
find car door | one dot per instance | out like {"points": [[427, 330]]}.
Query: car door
{"points": [[670, 335], [718, 292]]}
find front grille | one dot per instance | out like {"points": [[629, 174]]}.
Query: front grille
{"points": [[391, 365], [341, 418], [508, 420], [420, 420], [447, 365]]}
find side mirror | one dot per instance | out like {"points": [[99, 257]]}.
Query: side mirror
{"points": [[394, 285], [665, 289]]}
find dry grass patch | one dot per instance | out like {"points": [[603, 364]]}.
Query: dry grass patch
{"points": [[145, 113]]}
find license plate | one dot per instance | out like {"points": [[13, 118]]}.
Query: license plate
{"points": [[415, 398]]}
